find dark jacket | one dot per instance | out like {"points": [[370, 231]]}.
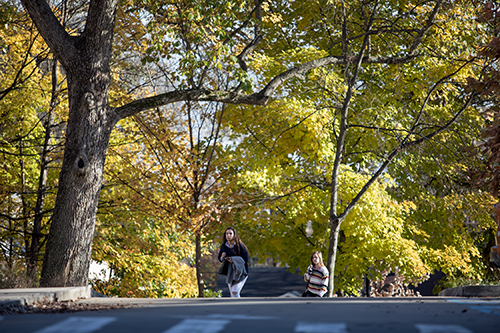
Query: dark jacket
{"points": [[237, 250]]}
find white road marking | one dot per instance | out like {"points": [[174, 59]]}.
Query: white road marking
{"points": [[321, 327], [237, 317], [487, 309], [471, 301], [484, 306], [78, 325], [198, 326], [428, 328]]}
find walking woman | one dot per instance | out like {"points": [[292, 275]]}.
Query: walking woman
{"points": [[316, 277], [234, 254]]}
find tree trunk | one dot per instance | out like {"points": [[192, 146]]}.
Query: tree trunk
{"points": [[332, 253], [198, 266], [42, 181], [69, 243], [86, 60], [24, 214]]}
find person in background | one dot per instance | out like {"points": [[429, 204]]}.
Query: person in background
{"points": [[316, 277], [233, 247]]}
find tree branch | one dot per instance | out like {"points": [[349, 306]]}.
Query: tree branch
{"points": [[403, 145], [261, 97], [100, 25], [231, 97], [54, 34], [428, 26]]}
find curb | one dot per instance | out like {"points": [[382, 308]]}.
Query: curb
{"points": [[29, 296], [472, 291]]}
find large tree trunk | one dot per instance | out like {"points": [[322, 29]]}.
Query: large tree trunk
{"points": [[69, 243], [86, 61]]}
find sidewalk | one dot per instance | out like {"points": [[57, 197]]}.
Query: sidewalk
{"points": [[472, 291], [29, 296]]}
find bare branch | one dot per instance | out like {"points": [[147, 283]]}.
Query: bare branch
{"points": [[428, 26]]}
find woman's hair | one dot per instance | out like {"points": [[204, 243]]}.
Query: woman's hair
{"points": [[236, 239], [320, 256]]}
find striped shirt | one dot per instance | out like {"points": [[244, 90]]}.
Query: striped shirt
{"points": [[317, 279]]}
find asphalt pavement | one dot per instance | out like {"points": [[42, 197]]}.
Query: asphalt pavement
{"points": [[268, 282], [265, 314]]}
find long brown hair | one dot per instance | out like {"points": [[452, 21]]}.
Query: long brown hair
{"points": [[236, 239]]}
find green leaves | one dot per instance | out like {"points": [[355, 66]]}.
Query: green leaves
{"points": [[287, 148], [203, 38], [170, 176]]}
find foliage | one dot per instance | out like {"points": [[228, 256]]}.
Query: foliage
{"points": [[487, 83], [287, 150], [447, 282], [165, 184], [168, 180], [149, 265], [212, 294], [25, 103], [138, 232], [452, 232], [199, 46], [291, 143], [373, 235]]}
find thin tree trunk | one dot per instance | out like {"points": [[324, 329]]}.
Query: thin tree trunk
{"points": [[198, 266], [332, 253], [42, 179], [26, 235], [334, 218]]}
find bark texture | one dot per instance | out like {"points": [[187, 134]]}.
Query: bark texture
{"points": [[86, 61]]}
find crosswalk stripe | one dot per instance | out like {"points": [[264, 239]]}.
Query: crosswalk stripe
{"points": [[78, 325], [198, 326], [428, 328], [305, 327], [487, 309], [237, 317]]}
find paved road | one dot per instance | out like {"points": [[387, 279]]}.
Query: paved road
{"points": [[429, 315], [276, 281], [267, 282]]}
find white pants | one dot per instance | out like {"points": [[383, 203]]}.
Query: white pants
{"points": [[235, 289]]}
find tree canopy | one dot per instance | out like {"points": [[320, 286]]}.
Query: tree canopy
{"points": [[330, 125]]}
